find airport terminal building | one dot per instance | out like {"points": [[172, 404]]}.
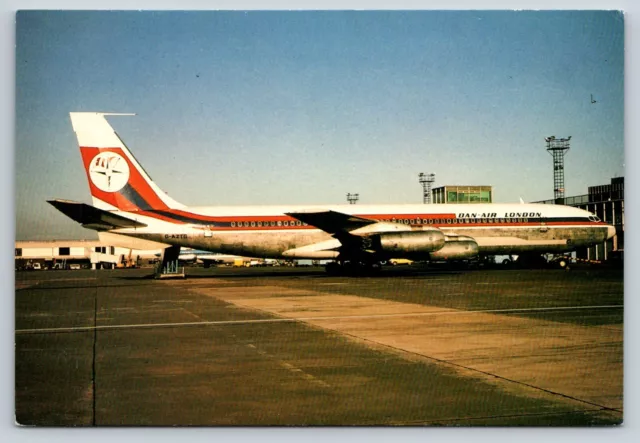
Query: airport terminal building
{"points": [[462, 194], [607, 202], [69, 254]]}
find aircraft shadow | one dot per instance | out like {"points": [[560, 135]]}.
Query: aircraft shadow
{"points": [[317, 273]]}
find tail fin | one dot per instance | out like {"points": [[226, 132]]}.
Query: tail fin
{"points": [[116, 179]]}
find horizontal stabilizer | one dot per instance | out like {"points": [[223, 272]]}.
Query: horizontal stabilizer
{"points": [[93, 218], [332, 221]]}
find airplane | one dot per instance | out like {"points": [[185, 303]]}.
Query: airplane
{"points": [[130, 210]]}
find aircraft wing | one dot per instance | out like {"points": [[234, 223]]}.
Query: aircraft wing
{"points": [[331, 221], [93, 218]]}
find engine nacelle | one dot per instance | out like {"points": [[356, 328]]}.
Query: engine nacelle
{"points": [[410, 243], [456, 248]]}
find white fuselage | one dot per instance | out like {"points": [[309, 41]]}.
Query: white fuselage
{"points": [[265, 231]]}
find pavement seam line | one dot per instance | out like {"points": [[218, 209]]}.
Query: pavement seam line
{"points": [[289, 367], [294, 319]]}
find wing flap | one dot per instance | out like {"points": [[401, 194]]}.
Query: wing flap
{"points": [[331, 221], [92, 217]]}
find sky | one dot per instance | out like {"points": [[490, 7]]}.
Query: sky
{"points": [[279, 107]]}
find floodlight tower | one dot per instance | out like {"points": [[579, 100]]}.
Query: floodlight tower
{"points": [[426, 180], [558, 147], [352, 198]]}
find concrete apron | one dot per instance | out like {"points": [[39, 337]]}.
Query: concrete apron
{"points": [[581, 365]]}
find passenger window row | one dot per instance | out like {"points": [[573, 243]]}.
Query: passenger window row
{"points": [[406, 221], [272, 223], [493, 220], [450, 221]]}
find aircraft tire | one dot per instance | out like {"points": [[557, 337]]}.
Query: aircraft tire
{"points": [[333, 268]]}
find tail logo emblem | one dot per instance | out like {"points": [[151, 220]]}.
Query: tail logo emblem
{"points": [[109, 171]]}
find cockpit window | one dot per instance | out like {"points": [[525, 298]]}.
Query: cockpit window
{"points": [[594, 218]]}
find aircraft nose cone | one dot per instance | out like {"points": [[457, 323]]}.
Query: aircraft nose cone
{"points": [[611, 231]]}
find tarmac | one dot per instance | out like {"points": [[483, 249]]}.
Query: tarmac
{"points": [[294, 347]]}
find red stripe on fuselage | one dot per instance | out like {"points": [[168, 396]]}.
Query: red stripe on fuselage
{"points": [[160, 217], [276, 218], [414, 218], [292, 223]]}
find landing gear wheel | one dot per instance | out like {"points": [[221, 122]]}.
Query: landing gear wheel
{"points": [[333, 268], [353, 268], [531, 261]]}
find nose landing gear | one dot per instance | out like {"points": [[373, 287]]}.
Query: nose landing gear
{"points": [[352, 268]]}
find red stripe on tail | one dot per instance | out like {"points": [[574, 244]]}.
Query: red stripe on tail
{"points": [[106, 176]]}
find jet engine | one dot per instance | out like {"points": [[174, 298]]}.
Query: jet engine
{"points": [[458, 247], [410, 243]]}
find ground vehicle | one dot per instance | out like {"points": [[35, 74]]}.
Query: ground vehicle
{"points": [[400, 261]]}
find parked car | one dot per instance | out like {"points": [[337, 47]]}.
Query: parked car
{"points": [[400, 261]]}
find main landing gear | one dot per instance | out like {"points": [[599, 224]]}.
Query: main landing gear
{"points": [[537, 261], [352, 268]]}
